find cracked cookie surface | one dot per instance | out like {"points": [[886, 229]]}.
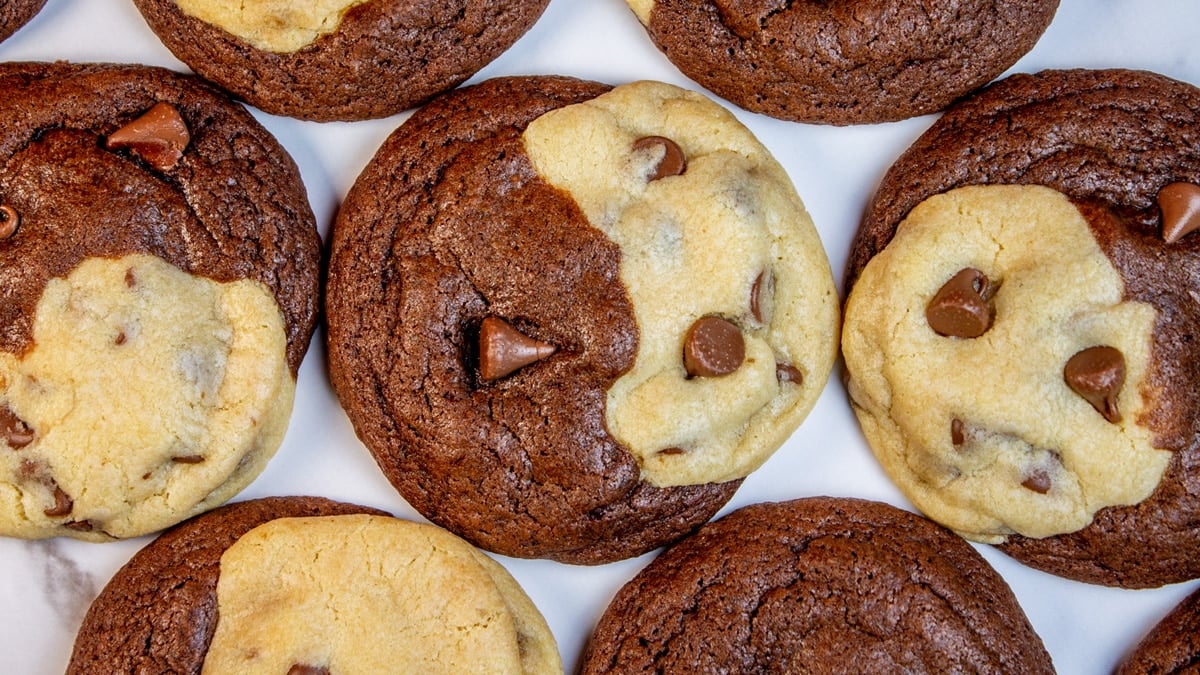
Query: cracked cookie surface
{"points": [[159, 272], [819, 584], [1112, 141], [849, 62], [479, 259], [338, 59]]}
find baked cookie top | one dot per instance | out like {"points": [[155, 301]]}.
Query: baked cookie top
{"points": [[338, 59], [844, 584], [852, 62], [1120, 146], [158, 263], [642, 250], [350, 590], [16, 13]]}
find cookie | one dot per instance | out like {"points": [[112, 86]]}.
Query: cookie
{"points": [[304, 584], [1171, 646], [835, 585], [1019, 332], [159, 269], [16, 13], [568, 319], [338, 59], [858, 62]]}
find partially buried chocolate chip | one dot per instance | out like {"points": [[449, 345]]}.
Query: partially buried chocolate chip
{"points": [[159, 137], [62, 502], [1180, 206], [786, 372], [1038, 481], [1097, 374], [504, 349], [713, 347], [960, 307], [14, 430], [958, 432], [10, 221], [304, 669], [764, 286], [672, 163]]}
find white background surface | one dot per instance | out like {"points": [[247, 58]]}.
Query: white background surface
{"points": [[45, 586]]}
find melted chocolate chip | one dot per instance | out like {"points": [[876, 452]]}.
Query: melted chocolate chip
{"points": [[958, 432], [503, 349], [786, 372], [62, 502], [1097, 374], [673, 162], [14, 430], [672, 451], [159, 137], [188, 459], [765, 281], [713, 347], [960, 307], [1180, 207], [10, 221], [1037, 480], [305, 669]]}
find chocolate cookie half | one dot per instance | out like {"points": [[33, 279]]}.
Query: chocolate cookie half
{"points": [[1037, 242], [338, 59], [849, 62], [1172, 646], [16, 13], [819, 584], [568, 319], [158, 267], [307, 585]]}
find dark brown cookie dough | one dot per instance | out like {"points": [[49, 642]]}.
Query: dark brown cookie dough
{"points": [[232, 206], [449, 224], [853, 62], [385, 57], [1172, 646], [16, 13], [158, 613], [1110, 140], [836, 585]]}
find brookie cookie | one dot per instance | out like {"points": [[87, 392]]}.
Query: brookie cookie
{"points": [[16, 13], [816, 585], [1172, 646], [338, 59], [568, 319], [303, 585], [848, 62], [158, 275], [1021, 329]]}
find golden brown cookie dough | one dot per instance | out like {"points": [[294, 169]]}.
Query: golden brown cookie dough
{"points": [[985, 433]]}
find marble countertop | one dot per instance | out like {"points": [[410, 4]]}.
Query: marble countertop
{"points": [[45, 586]]}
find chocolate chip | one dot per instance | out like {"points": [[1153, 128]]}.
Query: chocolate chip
{"points": [[159, 137], [672, 451], [958, 432], [62, 502], [130, 278], [80, 525], [120, 339], [14, 430], [10, 220], [503, 349], [188, 459], [786, 372], [1097, 374], [1038, 480], [713, 347], [304, 669], [764, 282], [960, 307], [673, 162], [1180, 207]]}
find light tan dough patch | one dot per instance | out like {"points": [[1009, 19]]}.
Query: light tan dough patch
{"points": [[370, 594], [152, 396], [281, 26], [1056, 294], [693, 245]]}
